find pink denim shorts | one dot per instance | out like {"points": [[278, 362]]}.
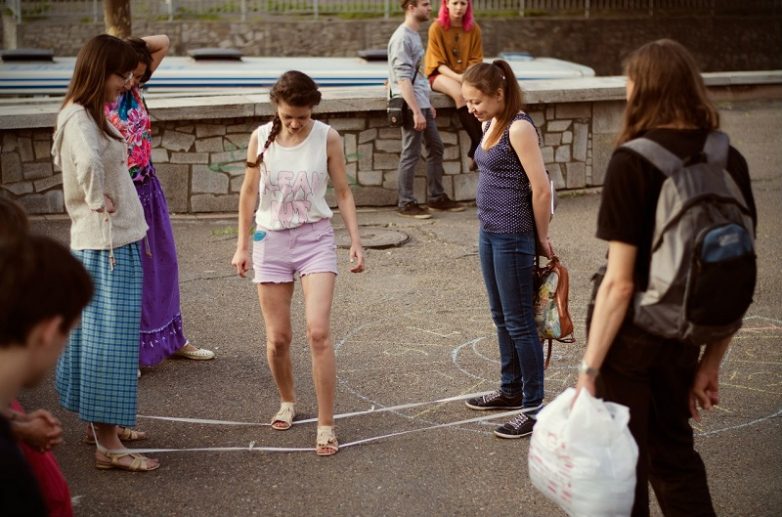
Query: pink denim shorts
{"points": [[279, 254]]}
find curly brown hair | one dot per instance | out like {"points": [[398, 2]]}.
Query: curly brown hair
{"points": [[295, 89]]}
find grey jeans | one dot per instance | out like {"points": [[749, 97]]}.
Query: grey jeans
{"points": [[411, 153]]}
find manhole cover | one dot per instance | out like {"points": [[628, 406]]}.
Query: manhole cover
{"points": [[377, 238]]}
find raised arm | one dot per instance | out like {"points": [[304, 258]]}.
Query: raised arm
{"points": [[158, 46]]}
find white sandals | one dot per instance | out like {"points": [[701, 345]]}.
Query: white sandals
{"points": [[283, 420], [326, 443]]}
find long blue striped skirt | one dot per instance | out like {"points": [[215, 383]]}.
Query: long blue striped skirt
{"points": [[96, 375]]}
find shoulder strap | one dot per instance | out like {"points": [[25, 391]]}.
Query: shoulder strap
{"points": [[716, 148], [657, 155]]}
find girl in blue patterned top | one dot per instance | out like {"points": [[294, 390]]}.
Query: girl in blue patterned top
{"points": [[513, 199]]}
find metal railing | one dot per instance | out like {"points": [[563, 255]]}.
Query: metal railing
{"points": [[170, 10]]}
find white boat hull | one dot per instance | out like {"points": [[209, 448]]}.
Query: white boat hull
{"points": [[186, 74]]}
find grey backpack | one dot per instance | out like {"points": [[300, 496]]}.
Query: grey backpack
{"points": [[703, 267]]}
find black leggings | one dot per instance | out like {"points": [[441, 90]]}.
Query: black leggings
{"points": [[473, 128]]}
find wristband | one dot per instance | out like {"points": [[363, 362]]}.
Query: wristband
{"points": [[584, 368]]}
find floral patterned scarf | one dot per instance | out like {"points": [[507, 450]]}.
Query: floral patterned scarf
{"points": [[130, 116]]}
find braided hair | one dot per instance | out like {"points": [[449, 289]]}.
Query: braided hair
{"points": [[295, 89]]}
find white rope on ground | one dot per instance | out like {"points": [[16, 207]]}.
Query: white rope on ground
{"points": [[253, 448], [384, 409]]}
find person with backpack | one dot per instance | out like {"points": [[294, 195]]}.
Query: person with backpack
{"points": [[677, 211]]}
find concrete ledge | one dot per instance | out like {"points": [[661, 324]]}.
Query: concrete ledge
{"points": [[199, 140], [42, 113]]}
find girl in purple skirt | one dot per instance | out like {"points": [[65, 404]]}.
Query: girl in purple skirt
{"points": [[161, 318]]}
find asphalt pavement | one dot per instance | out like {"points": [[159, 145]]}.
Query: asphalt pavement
{"points": [[414, 328]]}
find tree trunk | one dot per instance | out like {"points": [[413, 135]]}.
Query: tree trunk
{"points": [[116, 16]]}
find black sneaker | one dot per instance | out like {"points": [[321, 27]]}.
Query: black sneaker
{"points": [[414, 210], [494, 400], [445, 203], [520, 426]]}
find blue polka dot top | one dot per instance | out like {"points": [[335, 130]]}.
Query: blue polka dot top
{"points": [[503, 196]]}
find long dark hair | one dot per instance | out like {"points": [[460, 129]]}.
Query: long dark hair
{"points": [[295, 89], [97, 60], [667, 89], [144, 56], [489, 79]]}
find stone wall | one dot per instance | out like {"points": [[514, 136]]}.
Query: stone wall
{"points": [[199, 144], [27, 172], [201, 165], [719, 43]]}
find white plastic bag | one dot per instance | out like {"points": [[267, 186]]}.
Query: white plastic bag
{"points": [[584, 458]]}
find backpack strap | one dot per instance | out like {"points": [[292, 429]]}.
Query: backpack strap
{"points": [[654, 153], [716, 148]]}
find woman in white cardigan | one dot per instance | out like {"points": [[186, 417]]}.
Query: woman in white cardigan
{"points": [[96, 375]]}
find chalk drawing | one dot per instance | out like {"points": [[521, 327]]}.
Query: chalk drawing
{"points": [[452, 333], [744, 368], [403, 350], [564, 373]]}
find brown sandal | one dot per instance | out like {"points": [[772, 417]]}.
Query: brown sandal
{"points": [[326, 444]]}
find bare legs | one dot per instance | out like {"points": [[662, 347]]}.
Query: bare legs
{"points": [[450, 87], [276, 310], [275, 306], [318, 295]]}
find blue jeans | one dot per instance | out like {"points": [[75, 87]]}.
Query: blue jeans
{"points": [[507, 262]]}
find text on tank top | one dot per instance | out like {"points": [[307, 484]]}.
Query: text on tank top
{"points": [[293, 180]]}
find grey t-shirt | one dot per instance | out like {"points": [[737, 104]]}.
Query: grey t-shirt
{"points": [[405, 56]]}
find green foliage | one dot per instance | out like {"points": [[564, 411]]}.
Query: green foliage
{"points": [[225, 231]]}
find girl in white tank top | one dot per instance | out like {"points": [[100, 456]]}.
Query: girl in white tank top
{"points": [[289, 163], [294, 180]]}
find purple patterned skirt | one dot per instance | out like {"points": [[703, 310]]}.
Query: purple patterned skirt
{"points": [[161, 318]]}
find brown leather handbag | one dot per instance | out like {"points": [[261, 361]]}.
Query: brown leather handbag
{"points": [[552, 316]]}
